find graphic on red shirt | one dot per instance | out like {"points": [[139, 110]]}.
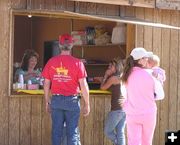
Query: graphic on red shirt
{"points": [[61, 70], [61, 74]]}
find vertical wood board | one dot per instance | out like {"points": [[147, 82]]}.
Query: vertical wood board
{"points": [[130, 38], [25, 121], [164, 115], [18, 4], [168, 4], [148, 30], [101, 9], [46, 126], [98, 121], [174, 47], [4, 69], [89, 123], [14, 121], [107, 109], [157, 50], [36, 118], [61, 4], [178, 95], [139, 29], [91, 8]]}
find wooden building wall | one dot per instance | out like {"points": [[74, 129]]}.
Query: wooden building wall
{"points": [[23, 120]]}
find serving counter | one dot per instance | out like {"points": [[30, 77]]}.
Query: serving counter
{"points": [[41, 92]]}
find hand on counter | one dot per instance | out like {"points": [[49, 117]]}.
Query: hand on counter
{"points": [[98, 79]]}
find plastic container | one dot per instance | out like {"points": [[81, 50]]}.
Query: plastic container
{"points": [[21, 81], [32, 86]]}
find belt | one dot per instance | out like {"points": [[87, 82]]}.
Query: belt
{"points": [[74, 95]]}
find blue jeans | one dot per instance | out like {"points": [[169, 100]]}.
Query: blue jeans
{"points": [[65, 109], [114, 127], [64, 138]]}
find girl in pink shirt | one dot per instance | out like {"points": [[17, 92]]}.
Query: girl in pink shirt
{"points": [[140, 106]]}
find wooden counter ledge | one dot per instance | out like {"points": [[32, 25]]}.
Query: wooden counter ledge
{"points": [[40, 93]]}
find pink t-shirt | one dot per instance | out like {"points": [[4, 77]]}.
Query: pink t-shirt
{"points": [[64, 72], [140, 93]]}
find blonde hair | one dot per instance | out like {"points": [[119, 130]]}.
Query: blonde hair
{"points": [[154, 60]]}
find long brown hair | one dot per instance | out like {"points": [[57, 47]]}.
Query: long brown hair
{"points": [[118, 65], [25, 60], [129, 64]]}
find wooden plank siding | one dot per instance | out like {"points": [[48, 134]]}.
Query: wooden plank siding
{"points": [[24, 120], [173, 73], [139, 29], [164, 116], [157, 49], [168, 4], [178, 85], [36, 123], [14, 122], [139, 3], [4, 47], [46, 126]]}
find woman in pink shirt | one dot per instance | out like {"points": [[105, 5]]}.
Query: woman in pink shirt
{"points": [[140, 106]]}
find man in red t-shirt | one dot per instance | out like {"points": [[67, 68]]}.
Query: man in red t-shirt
{"points": [[63, 75]]}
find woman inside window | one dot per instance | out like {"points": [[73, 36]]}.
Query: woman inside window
{"points": [[28, 69]]}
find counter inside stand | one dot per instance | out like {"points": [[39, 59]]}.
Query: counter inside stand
{"points": [[41, 92]]}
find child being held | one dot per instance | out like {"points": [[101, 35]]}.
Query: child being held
{"points": [[157, 72]]}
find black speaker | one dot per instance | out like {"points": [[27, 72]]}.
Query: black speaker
{"points": [[51, 48]]}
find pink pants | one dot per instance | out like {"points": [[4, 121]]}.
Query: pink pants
{"points": [[140, 128]]}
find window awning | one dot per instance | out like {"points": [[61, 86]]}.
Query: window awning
{"points": [[129, 20], [73, 15]]}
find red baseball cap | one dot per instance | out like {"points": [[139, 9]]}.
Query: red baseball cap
{"points": [[65, 39]]}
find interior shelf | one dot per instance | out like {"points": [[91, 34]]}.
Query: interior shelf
{"points": [[97, 64], [103, 45]]}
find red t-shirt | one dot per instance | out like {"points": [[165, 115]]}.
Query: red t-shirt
{"points": [[64, 72]]}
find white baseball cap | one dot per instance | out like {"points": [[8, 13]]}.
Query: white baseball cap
{"points": [[139, 52]]}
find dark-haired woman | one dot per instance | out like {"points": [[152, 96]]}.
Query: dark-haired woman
{"points": [[29, 68], [115, 121], [140, 106]]}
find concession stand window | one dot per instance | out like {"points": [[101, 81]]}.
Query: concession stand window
{"points": [[33, 29]]}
